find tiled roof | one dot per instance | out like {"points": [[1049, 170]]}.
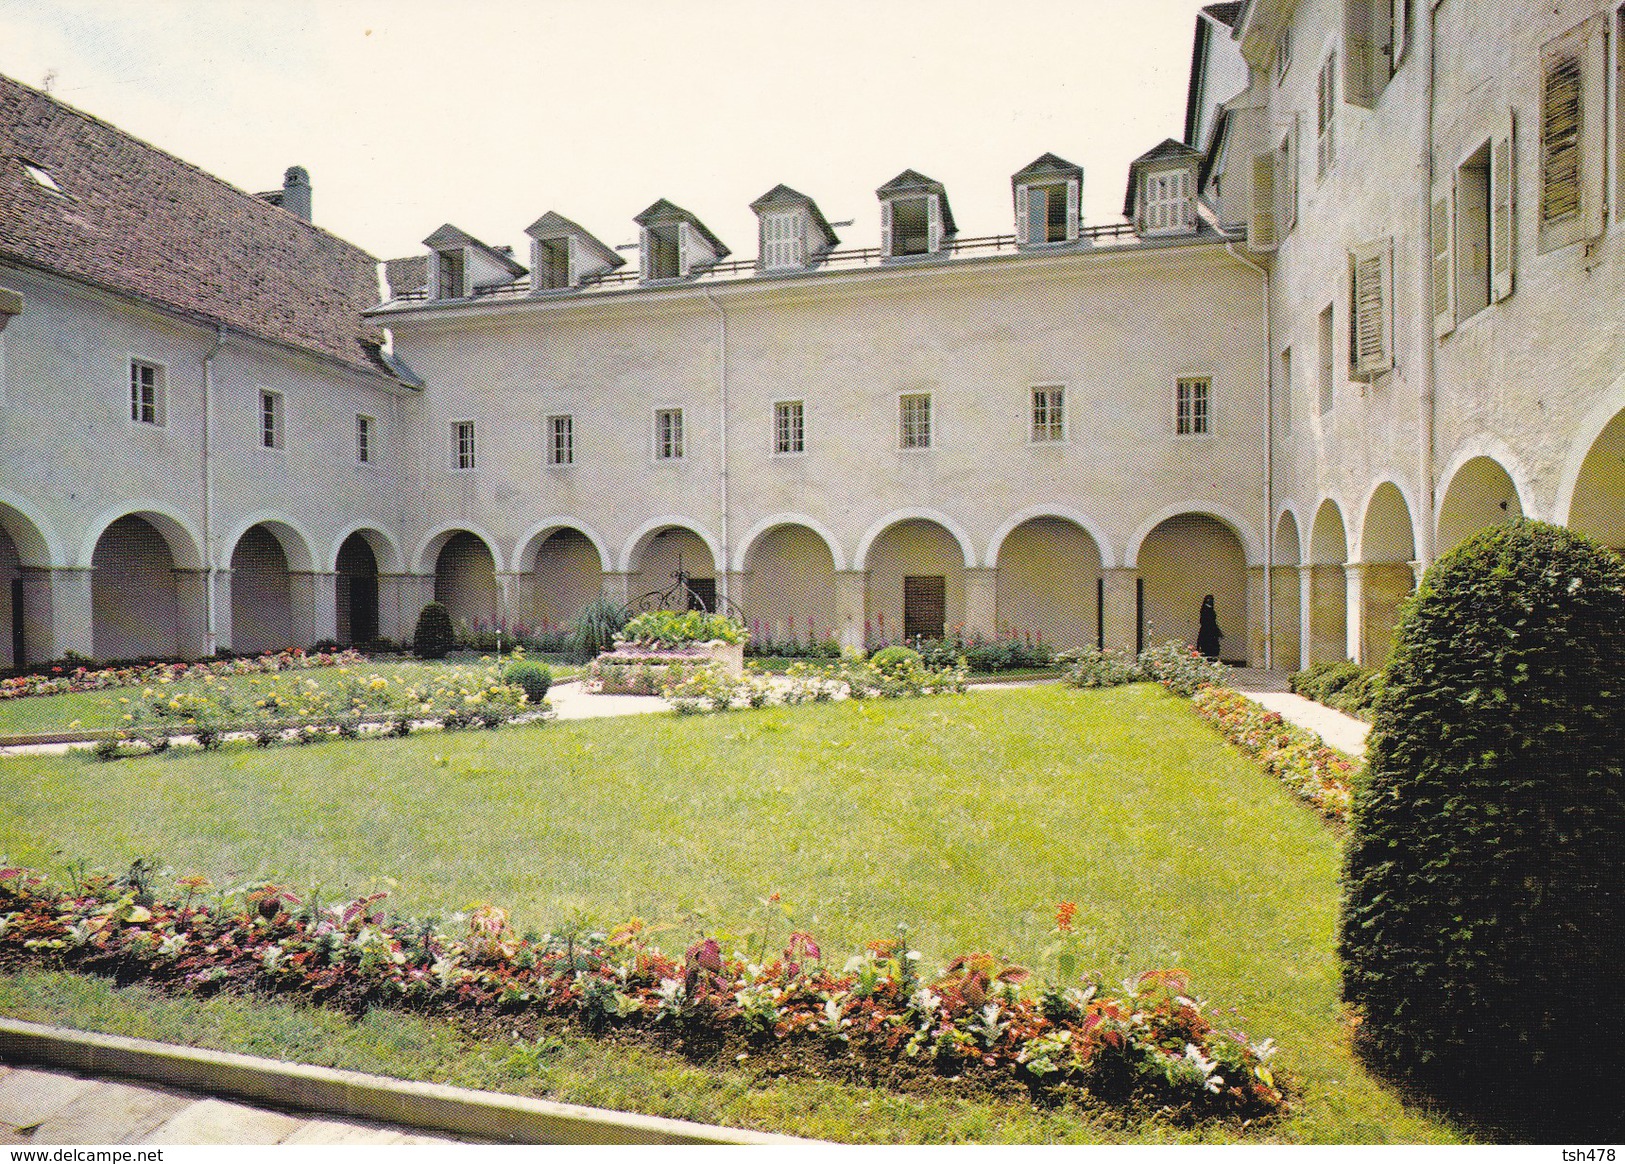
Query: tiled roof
{"points": [[136, 220], [409, 274]]}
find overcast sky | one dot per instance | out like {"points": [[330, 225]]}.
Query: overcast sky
{"points": [[486, 113]]}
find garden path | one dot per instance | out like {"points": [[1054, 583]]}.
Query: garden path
{"points": [[1268, 689]]}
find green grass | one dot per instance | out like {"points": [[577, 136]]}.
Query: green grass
{"points": [[966, 817], [101, 710]]}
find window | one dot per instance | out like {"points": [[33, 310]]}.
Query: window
{"points": [[662, 251], [146, 392], [669, 434], [1374, 38], [551, 261], [1191, 407], [789, 427], [1047, 214], [449, 274], [561, 440], [1170, 204], [784, 241], [42, 177], [1371, 316], [1262, 234], [1286, 390], [1328, 363], [1049, 414], [925, 606], [911, 226], [1472, 234], [271, 420], [1573, 132], [364, 428], [462, 443], [1286, 179], [1325, 117], [914, 420]]}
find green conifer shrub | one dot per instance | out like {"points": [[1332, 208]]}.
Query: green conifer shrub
{"points": [[432, 638], [1484, 896]]}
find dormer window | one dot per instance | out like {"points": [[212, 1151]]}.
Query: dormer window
{"points": [[1162, 190], [42, 177], [794, 233], [449, 270], [674, 244], [664, 247], [1047, 201], [550, 264], [461, 266], [784, 239], [564, 255], [914, 216]]}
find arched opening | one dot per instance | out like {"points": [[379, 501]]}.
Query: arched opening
{"points": [[1049, 583], [1480, 495], [568, 573], [25, 595], [1387, 548], [356, 587], [1328, 586], [465, 583], [1181, 561], [1598, 505], [140, 607], [261, 594], [13, 648], [916, 582], [662, 555], [789, 586], [1286, 599]]}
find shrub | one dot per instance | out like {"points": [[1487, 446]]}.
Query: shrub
{"points": [[595, 627], [433, 636], [898, 662], [1483, 901], [1096, 667], [534, 679], [667, 628], [1181, 668]]}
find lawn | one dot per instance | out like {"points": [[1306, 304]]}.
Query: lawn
{"points": [[967, 818]]}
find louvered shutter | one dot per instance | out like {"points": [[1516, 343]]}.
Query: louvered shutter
{"points": [[1503, 209], [685, 249], [885, 229], [1444, 299], [1072, 211], [934, 237], [1290, 182], [1372, 291], [1261, 215], [1021, 216], [573, 260], [1573, 126], [1360, 50], [645, 254]]}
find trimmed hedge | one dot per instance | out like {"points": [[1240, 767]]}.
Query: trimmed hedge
{"points": [[432, 638], [1485, 884]]}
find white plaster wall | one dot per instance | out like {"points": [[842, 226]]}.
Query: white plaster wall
{"points": [[1183, 560], [1047, 584], [789, 584]]}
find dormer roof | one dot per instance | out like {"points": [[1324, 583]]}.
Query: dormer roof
{"points": [[663, 211], [450, 236], [782, 195], [1169, 151], [914, 182], [1046, 166], [553, 225]]}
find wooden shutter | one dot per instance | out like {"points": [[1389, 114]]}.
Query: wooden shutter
{"points": [[1371, 278], [573, 262], [1261, 216], [1360, 54], [1444, 298], [1325, 118], [1072, 212], [885, 229], [1021, 215], [685, 249], [1573, 132], [1503, 209], [645, 254], [934, 228]]}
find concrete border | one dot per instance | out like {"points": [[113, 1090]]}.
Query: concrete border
{"points": [[482, 1115]]}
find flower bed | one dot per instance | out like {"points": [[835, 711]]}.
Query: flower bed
{"points": [[62, 680], [1149, 1043], [1319, 774], [637, 670]]}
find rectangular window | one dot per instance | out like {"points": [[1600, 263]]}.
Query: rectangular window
{"points": [[1371, 315], [1573, 135], [462, 441], [1049, 414], [1170, 204], [1472, 237], [271, 420], [789, 427], [784, 240], [364, 428], [552, 271], [561, 440], [1328, 363], [669, 434], [925, 606], [914, 420], [1191, 407], [449, 274], [146, 392], [662, 251], [1325, 117]]}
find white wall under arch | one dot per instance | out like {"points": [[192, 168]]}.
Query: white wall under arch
{"points": [[1501, 453], [524, 553], [391, 561], [297, 548], [1108, 560], [1251, 545], [424, 560], [860, 560], [747, 542], [1585, 436], [1357, 540], [185, 544], [633, 546]]}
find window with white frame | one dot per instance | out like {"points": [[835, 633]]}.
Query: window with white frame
{"points": [[146, 392], [910, 225], [1375, 33], [789, 427], [1048, 414], [1327, 358], [270, 419], [1051, 212], [1472, 234], [462, 444], [1326, 117], [669, 434], [551, 264], [1573, 136], [365, 449], [784, 239], [914, 420], [561, 440], [1193, 406]]}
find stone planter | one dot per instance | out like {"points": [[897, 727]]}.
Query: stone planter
{"points": [[641, 669]]}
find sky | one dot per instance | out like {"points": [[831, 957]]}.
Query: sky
{"points": [[487, 113]]}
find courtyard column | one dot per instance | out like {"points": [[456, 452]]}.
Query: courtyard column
{"points": [[1306, 606], [401, 598], [617, 586], [57, 615], [1119, 608], [191, 613], [735, 583], [1417, 570], [851, 607], [223, 626], [981, 602], [313, 600], [518, 598], [1354, 579], [1257, 625]]}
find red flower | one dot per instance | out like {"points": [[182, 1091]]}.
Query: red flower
{"points": [[1064, 915]]}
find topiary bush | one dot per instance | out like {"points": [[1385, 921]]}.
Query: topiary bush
{"points": [[1484, 896], [534, 679], [433, 636]]}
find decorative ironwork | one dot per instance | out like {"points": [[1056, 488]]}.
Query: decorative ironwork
{"points": [[682, 595]]}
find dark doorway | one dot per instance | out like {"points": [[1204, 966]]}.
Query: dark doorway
{"points": [[357, 591], [702, 594], [925, 606], [18, 656]]}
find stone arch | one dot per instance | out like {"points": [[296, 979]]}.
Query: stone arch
{"points": [[1480, 493], [428, 553], [1181, 559], [915, 577], [295, 543], [386, 551], [465, 583], [1252, 546], [1089, 526], [1594, 503], [560, 566], [788, 573], [653, 556], [37, 546], [860, 560], [26, 549], [1326, 620], [1286, 600], [635, 546], [1387, 549], [263, 591], [147, 588], [748, 542], [1049, 581], [356, 589], [184, 543]]}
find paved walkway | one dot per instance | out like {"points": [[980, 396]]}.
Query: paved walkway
{"points": [[39, 1106], [1269, 689]]}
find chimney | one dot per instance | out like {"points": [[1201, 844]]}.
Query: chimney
{"points": [[296, 192]]}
